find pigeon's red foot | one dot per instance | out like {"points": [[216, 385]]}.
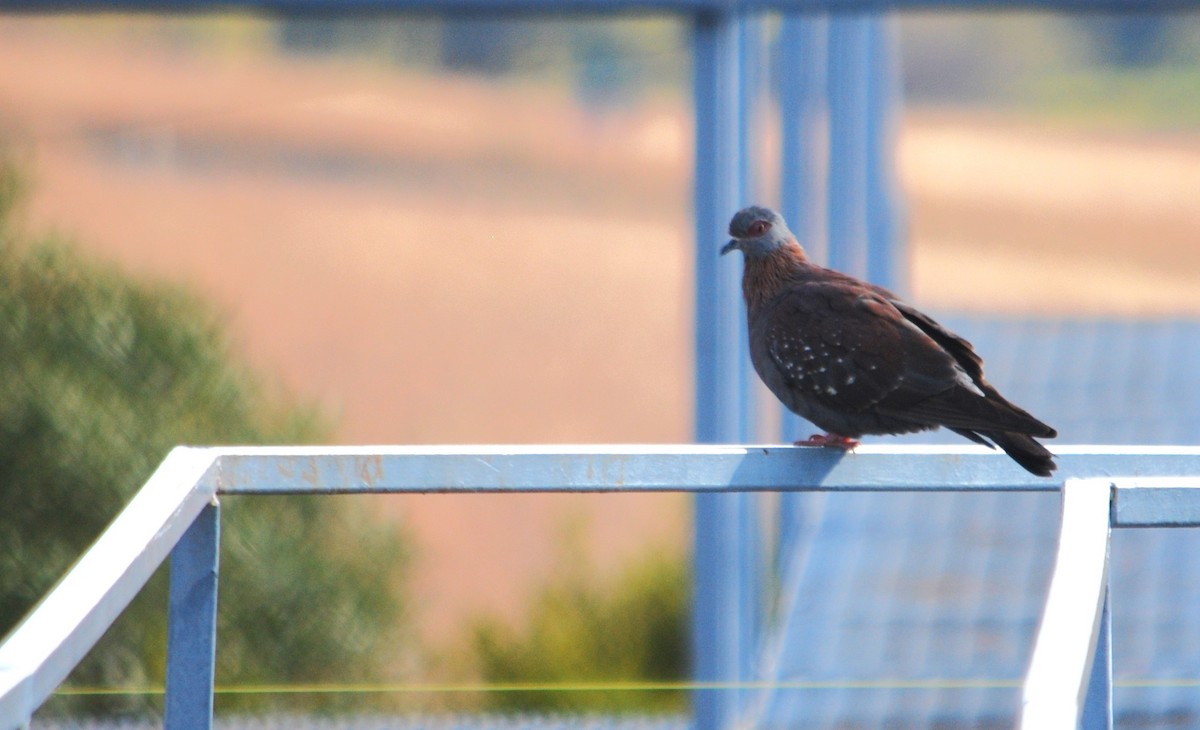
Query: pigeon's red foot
{"points": [[829, 439]]}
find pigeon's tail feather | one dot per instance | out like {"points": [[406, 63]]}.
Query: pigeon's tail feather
{"points": [[967, 433], [1031, 455]]}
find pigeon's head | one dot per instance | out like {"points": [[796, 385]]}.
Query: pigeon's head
{"points": [[757, 231]]}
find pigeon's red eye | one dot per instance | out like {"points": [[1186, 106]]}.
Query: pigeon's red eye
{"points": [[757, 228]]}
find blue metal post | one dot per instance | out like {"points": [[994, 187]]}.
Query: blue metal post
{"points": [[886, 256], [752, 68], [1098, 705], [720, 361], [192, 627], [802, 51], [849, 46]]}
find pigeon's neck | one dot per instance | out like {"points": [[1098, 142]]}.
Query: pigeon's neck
{"points": [[766, 276]]}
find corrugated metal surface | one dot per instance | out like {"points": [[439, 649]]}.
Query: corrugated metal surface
{"points": [[939, 590]]}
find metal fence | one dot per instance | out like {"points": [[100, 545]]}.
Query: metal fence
{"points": [[177, 513]]}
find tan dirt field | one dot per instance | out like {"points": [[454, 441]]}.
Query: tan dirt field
{"points": [[444, 260]]}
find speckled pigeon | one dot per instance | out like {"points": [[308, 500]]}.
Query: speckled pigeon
{"points": [[854, 359]]}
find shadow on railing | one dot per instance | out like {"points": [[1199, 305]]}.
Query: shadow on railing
{"points": [[177, 513]]}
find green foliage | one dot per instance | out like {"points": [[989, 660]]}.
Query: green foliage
{"points": [[314, 596], [633, 629], [102, 376]]}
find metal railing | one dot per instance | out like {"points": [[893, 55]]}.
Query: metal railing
{"points": [[1069, 683], [177, 514]]}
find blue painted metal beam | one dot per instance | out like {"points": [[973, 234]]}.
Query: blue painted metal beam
{"points": [[751, 580], [849, 67], [683, 468], [721, 361], [802, 53], [886, 249], [1164, 502], [192, 623], [559, 7]]}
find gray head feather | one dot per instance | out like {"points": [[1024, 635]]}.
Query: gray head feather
{"points": [[757, 231]]}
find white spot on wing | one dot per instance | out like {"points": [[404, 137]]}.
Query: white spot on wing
{"points": [[961, 377]]}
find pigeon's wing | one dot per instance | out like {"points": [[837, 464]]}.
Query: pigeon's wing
{"points": [[850, 349], [957, 347], [846, 348], [971, 365]]}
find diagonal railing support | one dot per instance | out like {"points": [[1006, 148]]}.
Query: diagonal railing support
{"points": [[1074, 628], [39, 654]]}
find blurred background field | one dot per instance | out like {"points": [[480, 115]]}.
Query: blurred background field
{"points": [[460, 232]]}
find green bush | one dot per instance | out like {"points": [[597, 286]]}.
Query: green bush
{"points": [[102, 376], [630, 629]]}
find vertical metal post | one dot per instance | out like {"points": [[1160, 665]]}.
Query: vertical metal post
{"points": [[752, 74], [886, 257], [751, 68], [802, 50], [1098, 705], [720, 361], [849, 46], [192, 627]]}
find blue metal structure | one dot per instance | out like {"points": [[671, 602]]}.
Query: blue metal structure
{"points": [[192, 623], [953, 636], [732, 9], [175, 513], [837, 68]]}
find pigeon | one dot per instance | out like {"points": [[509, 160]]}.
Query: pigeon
{"points": [[854, 359]]}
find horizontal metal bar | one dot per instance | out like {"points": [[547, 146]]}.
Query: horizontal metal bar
{"points": [[37, 656], [688, 468], [1060, 668], [1156, 502], [559, 7]]}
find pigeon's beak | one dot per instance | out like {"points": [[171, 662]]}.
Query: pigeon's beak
{"points": [[729, 247]]}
